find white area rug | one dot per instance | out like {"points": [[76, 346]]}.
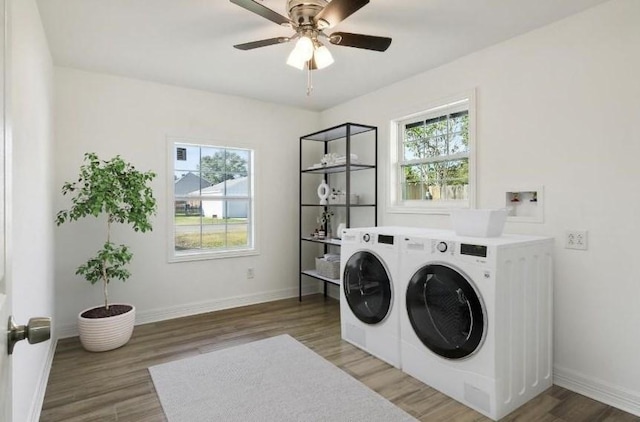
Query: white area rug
{"points": [[276, 379]]}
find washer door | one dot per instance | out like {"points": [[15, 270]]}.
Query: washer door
{"points": [[445, 311], [367, 287]]}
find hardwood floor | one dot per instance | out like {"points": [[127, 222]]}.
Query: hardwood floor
{"points": [[116, 385]]}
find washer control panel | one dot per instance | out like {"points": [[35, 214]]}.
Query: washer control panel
{"points": [[377, 240]]}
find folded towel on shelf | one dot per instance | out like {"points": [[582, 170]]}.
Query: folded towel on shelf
{"points": [[343, 159]]}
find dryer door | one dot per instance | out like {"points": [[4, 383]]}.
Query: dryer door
{"points": [[445, 311], [367, 287]]}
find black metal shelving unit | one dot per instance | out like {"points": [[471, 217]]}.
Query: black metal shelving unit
{"points": [[346, 132]]}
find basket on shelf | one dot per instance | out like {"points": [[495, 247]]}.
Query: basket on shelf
{"points": [[328, 266]]}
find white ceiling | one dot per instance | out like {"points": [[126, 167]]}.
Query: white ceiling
{"points": [[190, 42]]}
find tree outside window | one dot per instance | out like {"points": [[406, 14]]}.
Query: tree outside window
{"points": [[213, 200], [435, 158]]}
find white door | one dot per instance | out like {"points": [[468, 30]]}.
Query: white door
{"points": [[5, 303]]}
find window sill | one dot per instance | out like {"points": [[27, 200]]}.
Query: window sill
{"points": [[202, 256], [444, 208]]}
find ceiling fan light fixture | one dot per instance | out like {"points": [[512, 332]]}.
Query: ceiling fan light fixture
{"points": [[301, 53], [294, 60], [322, 57], [304, 47]]}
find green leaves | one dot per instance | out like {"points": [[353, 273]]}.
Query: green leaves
{"points": [[114, 188], [437, 149], [109, 261], [221, 166]]}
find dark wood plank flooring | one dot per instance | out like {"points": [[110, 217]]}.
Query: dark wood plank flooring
{"points": [[116, 385]]}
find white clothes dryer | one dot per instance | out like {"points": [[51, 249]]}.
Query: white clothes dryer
{"points": [[476, 319]]}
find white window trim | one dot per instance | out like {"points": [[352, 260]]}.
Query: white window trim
{"points": [[394, 204], [200, 256]]}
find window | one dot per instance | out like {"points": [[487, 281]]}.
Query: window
{"points": [[434, 159], [212, 201]]}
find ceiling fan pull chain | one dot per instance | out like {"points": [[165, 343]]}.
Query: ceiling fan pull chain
{"points": [[309, 79]]}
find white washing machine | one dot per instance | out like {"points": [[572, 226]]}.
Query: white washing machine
{"points": [[476, 317], [369, 304], [369, 285]]}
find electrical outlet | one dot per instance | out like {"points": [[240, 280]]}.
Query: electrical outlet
{"points": [[576, 239], [250, 273]]}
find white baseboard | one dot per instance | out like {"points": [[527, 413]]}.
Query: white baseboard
{"points": [[41, 388], [178, 311], [607, 393], [156, 315]]}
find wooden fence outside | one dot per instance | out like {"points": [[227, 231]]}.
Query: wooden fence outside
{"points": [[452, 192]]}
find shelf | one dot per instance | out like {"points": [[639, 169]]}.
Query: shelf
{"points": [[338, 132], [338, 169], [314, 274], [350, 200], [335, 242]]}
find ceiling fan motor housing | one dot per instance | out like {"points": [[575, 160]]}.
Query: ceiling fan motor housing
{"points": [[301, 12]]}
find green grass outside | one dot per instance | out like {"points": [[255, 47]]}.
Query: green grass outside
{"points": [[183, 220], [210, 240]]}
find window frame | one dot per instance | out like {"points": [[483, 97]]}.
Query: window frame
{"points": [[449, 105], [172, 256]]}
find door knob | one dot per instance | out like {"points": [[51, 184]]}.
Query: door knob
{"points": [[36, 331]]}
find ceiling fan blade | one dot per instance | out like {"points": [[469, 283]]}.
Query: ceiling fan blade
{"points": [[369, 42], [337, 11], [261, 43], [263, 11]]}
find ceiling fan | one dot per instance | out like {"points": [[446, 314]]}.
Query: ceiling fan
{"points": [[309, 19]]}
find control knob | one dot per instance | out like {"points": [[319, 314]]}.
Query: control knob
{"points": [[366, 237], [442, 247]]}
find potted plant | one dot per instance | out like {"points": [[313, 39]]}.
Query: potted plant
{"points": [[118, 192]]}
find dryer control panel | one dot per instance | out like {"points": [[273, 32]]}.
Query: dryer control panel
{"points": [[473, 250], [443, 247], [476, 253], [467, 251]]}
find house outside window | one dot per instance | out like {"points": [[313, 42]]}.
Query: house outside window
{"points": [[212, 201], [433, 159]]}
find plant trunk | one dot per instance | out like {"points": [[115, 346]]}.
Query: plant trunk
{"points": [[105, 280], [105, 283]]}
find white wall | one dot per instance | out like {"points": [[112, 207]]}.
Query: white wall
{"points": [[31, 86], [111, 115], [557, 107]]}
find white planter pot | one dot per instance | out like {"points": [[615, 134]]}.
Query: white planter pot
{"points": [[102, 334]]}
